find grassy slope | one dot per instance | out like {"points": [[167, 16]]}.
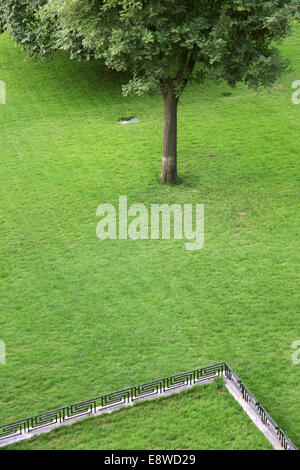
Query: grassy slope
{"points": [[193, 419], [81, 317]]}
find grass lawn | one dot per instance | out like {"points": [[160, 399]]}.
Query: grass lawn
{"points": [[82, 317], [193, 419]]}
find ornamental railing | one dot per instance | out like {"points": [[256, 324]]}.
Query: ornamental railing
{"points": [[128, 396], [259, 410]]}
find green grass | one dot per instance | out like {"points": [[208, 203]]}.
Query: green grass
{"points": [[82, 317], [193, 419]]}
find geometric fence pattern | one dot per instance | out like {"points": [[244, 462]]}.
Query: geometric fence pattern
{"points": [[146, 390], [258, 409]]}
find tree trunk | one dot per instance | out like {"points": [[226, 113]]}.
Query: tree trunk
{"points": [[169, 150]]}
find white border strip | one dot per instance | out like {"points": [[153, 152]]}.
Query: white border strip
{"points": [[28, 435], [256, 420]]}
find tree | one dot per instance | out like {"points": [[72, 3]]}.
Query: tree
{"points": [[21, 18], [161, 43]]}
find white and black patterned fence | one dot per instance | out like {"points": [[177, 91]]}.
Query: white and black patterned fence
{"points": [[259, 410], [130, 395]]}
